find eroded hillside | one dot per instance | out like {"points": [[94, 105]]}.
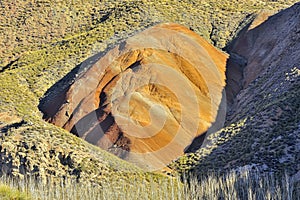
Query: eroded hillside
{"points": [[146, 99], [42, 41], [262, 125]]}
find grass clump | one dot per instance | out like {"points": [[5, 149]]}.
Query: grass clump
{"points": [[9, 193]]}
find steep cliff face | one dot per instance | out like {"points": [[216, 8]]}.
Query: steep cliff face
{"points": [[262, 125], [146, 99]]}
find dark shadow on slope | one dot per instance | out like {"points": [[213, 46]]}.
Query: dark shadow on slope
{"points": [[234, 77], [247, 149], [201, 140], [9, 65], [235, 65], [99, 128], [14, 125], [56, 95], [87, 122]]}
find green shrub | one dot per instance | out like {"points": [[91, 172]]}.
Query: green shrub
{"points": [[8, 193]]}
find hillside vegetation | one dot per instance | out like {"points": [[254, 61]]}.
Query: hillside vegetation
{"points": [[262, 124], [41, 41]]}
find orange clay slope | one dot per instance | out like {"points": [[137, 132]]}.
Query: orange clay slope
{"points": [[146, 99]]}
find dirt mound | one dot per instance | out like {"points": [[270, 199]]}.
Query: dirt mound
{"points": [[147, 98]]}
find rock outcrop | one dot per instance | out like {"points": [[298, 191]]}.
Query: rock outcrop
{"points": [[146, 99]]}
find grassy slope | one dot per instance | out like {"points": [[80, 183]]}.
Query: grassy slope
{"points": [[41, 41], [262, 128]]}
